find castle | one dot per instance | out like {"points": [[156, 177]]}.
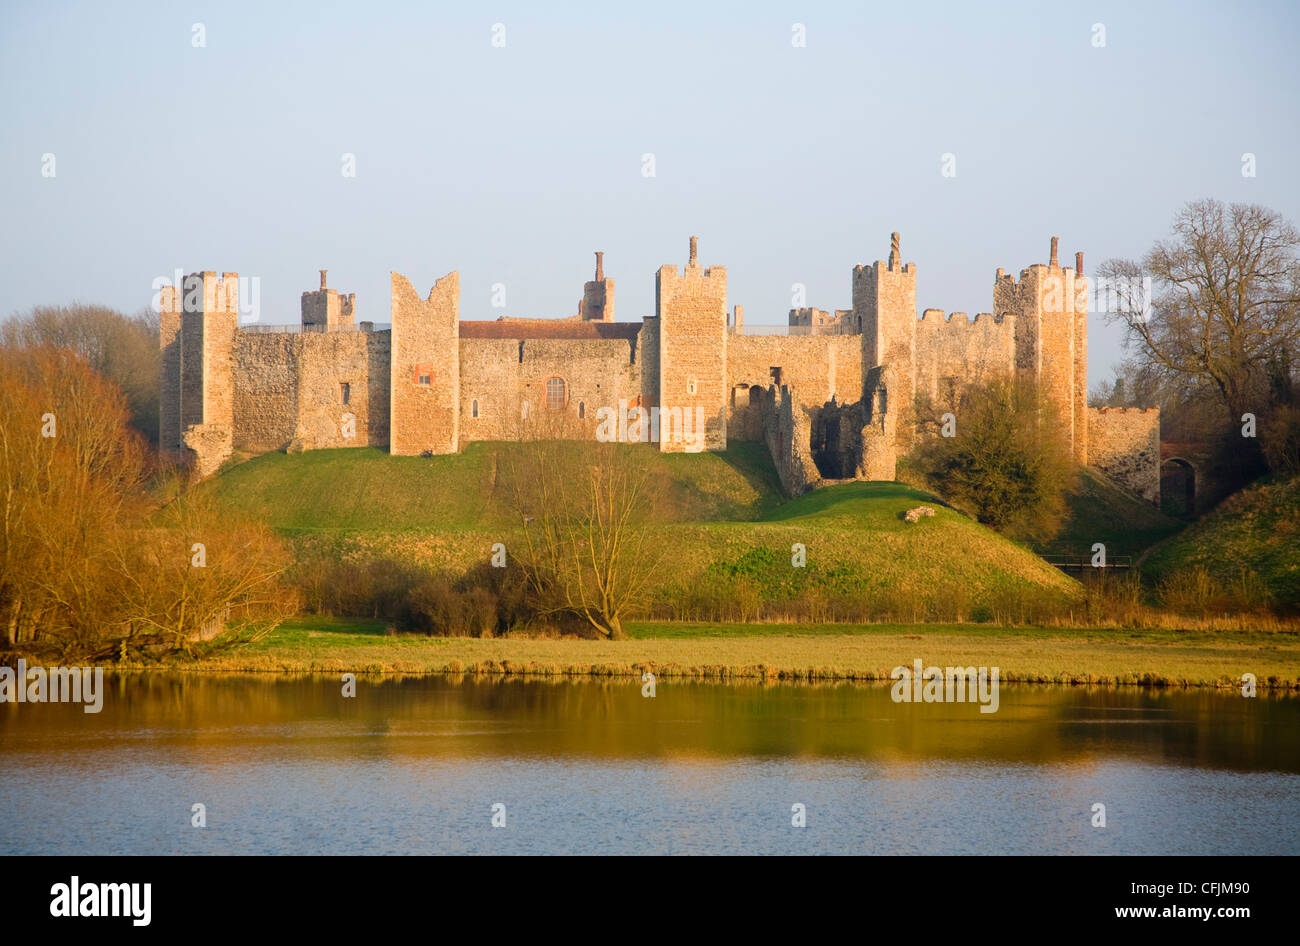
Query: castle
{"points": [[832, 396]]}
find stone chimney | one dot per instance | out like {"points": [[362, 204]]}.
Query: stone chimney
{"points": [[894, 255], [597, 303], [322, 277], [1052, 261], [1078, 264], [695, 245]]}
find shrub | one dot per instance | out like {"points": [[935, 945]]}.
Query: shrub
{"points": [[1007, 464]]}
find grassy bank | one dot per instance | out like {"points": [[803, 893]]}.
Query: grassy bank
{"points": [[807, 652], [1253, 535]]}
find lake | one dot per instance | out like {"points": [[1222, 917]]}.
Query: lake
{"points": [[415, 765]]}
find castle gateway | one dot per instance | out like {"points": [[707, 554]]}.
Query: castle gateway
{"points": [[831, 396]]}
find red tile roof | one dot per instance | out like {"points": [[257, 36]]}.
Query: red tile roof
{"points": [[549, 328]]}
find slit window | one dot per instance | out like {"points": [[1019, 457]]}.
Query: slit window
{"points": [[346, 390], [473, 410]]}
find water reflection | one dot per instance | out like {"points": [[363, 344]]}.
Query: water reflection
{"points": [[287, 764]]}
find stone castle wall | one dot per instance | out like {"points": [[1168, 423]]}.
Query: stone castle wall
{"points": [[289, 390], [953, 351], [818, 367], [500, 376], [833, 399], [1124, 443], [787, 430]]}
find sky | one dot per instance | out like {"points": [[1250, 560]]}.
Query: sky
{"points": [[509, 142]]}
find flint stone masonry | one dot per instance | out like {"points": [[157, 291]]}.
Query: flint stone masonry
{"points": [[1124, 443], [289, 389], [953, 351], [425, 379], [834, 399], [787, 428], [692, 312]]}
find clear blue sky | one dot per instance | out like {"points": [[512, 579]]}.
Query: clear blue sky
{"points": [[513, 164]]}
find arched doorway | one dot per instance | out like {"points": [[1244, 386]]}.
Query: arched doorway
{"points": [[1177, 487]]}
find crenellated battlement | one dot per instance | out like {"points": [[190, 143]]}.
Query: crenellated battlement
{"points": [[846, 383], [959, 321]]}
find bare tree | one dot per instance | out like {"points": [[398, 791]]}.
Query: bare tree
{"points": [[1221, 308], [89, 566], [585, 510], [122, 348]]}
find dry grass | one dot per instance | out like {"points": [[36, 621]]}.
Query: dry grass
{"points": [[795, 652]]}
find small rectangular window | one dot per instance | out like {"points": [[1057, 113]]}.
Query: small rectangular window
{"points": [[424, 380], [347, 392]]}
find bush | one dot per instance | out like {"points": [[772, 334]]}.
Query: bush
{"points": [[1007, 464], [1191, 591], [484, 602]]}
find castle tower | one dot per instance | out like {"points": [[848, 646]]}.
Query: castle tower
{"points": [[424, 407], [884, 310], [1050, 306], [197, 326], [692, 313], [597, 303], [169, 381], [328, 311]]}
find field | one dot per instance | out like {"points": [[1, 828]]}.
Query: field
{"points": [[808, 652]]}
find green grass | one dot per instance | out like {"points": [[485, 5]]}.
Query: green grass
{"points": [[366, 489], [720, 651], [1256, 530], [1099, 511], [723, 521], [873, 504]]}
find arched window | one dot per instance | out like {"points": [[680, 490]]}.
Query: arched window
{"points": [[473, 409], [582, 410], [556, 394]]}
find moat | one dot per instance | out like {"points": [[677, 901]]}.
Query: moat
{"points": [[287, 765]]}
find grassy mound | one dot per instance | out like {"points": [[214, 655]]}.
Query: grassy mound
{"points": [[1099, 511], [366, 489], [727, 537], [1255, 532]]}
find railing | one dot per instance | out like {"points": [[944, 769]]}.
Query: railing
{"points": [[837, 329], [296, 329], [1083, 563]]}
